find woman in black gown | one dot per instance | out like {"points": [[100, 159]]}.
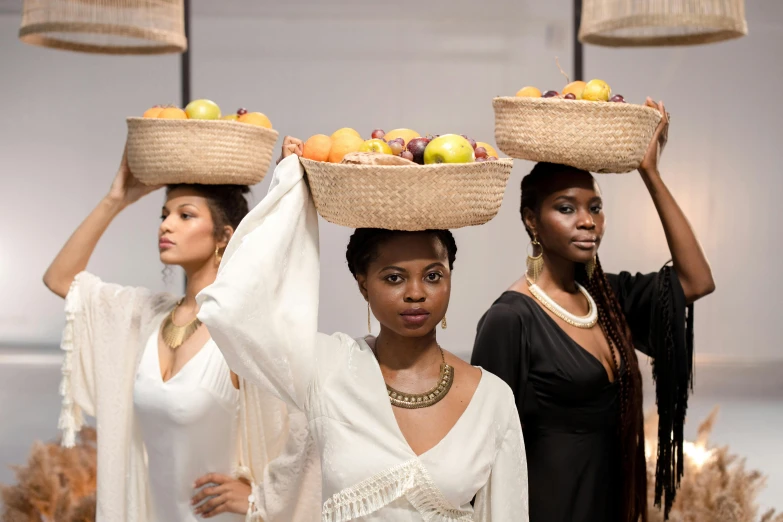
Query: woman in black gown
{"points": [[567, 350]]}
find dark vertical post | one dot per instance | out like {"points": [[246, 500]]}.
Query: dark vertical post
{"points": [[184, 77], [579, 54]]}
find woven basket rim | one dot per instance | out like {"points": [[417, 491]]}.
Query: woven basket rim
{"points": [[166, 121], [722, 28], [610, 106], [398, 168], [162, 41]]}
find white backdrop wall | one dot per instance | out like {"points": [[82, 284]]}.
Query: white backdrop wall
{"points": [[314, 67]]}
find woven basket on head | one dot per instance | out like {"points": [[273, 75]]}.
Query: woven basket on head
{"points": [[603, 137], [209, 152], [105, 26], [408, 197], [633, 23]]}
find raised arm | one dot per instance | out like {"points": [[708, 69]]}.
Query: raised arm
{"points": [[262, 310], [76, 253], [688, 257]]}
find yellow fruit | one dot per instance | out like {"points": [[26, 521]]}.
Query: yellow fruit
{"points": [[375, 145], [345, 130], [406, 134], [342, 145], [490, 149], [317, 147], [256, 118], [172, 113], [152, 112], [232, 117], [529, 92], [596, 90], [575, 88]]}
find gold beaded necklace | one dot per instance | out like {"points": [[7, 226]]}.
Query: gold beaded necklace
{"points": [[175, 335], [412, 401]]}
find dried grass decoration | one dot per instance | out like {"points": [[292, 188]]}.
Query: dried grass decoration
{"points": [[57, 484], [716, 486]]}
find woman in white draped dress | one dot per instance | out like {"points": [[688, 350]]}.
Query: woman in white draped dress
{"points": [[406, 431], [169, 411]]}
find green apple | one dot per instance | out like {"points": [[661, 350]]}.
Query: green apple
{"points": [[203, 110], [375, 145], [449, 148]]}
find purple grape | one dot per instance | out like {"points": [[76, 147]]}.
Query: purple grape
{"points": [[617, 98], [569, 96], [397, 147], [479, 160], [481, 152], [549, 94], [472, 141], [378, 134], [408, 155], [492, 158], [241, 112]]}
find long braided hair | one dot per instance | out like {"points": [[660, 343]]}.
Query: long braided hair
{"points": [[612, 321]]}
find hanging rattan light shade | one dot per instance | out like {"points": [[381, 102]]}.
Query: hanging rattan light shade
{"points": [[106, 26], [635, 23]]}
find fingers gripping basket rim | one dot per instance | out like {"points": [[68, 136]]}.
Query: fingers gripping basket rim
{"points": [[601, 137], [209, 152], [408, 197]]}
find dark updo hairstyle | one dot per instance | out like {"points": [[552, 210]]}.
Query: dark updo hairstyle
{"points": [[364, 243], [535, 187], [227, 203]]}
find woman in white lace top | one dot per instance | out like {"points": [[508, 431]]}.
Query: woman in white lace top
{"points": [[406, 431]]}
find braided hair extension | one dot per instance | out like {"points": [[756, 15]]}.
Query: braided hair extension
{"points": [[363, 246], [612, 321]]}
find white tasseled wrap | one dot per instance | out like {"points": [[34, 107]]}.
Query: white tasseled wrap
{"points": [[409, 479], [71, 419]]}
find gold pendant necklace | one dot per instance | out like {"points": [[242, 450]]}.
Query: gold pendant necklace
{"points": [[175, 335], [412, 401]]}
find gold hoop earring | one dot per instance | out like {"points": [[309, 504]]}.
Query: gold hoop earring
{"points": [[369, 325], [535, 263], [590, 268], [443, 323]]}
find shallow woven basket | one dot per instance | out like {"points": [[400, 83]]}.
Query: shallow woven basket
{"points": [[105, 26], [408, 197], [634, 23], [602, 137], [209, 152]]}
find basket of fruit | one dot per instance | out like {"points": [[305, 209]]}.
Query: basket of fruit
{"points": [[410, 182], [584, 127], [196, 145]]}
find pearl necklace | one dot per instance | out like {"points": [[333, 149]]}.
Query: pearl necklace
{"points": [[587, 321]]}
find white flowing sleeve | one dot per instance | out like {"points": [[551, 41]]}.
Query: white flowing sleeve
{"points": [[505, 495], [262, 310]]}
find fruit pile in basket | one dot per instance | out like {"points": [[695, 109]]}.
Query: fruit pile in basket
{"points": [[594, 90], [206, 110], [403, 143]]}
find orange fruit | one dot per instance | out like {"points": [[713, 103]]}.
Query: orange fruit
{"points": [[345, 130], [343, 144], [256, 118], [152, 112], [490, 149], [317, 147], [575, 88], [529, 92], [173, 113], [405, 134]]}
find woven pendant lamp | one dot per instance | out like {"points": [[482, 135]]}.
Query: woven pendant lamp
{"points": [[106, 26], [636, 23]]}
